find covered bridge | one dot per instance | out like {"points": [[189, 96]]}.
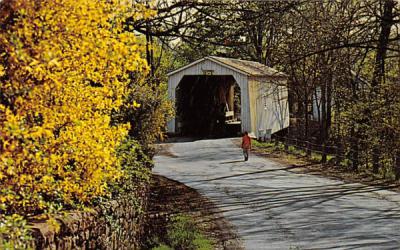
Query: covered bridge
{"points": [[217, 96]]}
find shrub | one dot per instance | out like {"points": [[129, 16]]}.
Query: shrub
{"points": [[14, 233], [162, 247], [183, 235], [136, 167], [64, 68], [153, 111]]}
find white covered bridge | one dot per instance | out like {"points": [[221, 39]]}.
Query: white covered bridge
{"points": [[214, 93]]}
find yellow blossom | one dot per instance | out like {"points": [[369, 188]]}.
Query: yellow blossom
{"points": [[64, 69]]}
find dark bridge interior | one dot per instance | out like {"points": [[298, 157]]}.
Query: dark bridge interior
{"points": [[208, 106]]}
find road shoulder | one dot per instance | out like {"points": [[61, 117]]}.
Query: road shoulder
{"points": [[169, 198]]}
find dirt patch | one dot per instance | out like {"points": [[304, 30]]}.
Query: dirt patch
{"points": [[169, 198], [303, 165]]}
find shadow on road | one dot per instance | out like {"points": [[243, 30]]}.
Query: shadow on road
{"points": [[229, 162]]}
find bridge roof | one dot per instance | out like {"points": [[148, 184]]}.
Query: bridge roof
{"points": [[249, 68]]}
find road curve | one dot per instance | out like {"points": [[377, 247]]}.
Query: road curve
{"points": [[273, 208]]}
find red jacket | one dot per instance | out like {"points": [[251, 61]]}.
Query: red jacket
{"points": [[246, 142]]}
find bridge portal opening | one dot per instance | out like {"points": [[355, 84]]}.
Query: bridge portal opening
{"points": [[208, 106]]}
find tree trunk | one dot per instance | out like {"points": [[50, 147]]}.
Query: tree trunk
{"points": [[354, 147], [259, 42], [306, 125], [397, 166], [379, 71], [386, 25], [149, 49], [323, 122]]}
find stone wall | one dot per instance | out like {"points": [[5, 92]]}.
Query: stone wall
{"points": [[113, 225]]}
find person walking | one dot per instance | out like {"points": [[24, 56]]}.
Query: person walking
{"points": [[246, 145]]}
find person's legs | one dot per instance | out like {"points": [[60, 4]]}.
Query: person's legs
{"points": [[246, 154]]}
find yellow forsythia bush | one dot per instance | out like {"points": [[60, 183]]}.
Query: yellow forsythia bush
{"points": [[64, 67]]}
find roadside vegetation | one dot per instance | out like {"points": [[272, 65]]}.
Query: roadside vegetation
{"points": [[293, 152], [183, 234], [69, 70]]}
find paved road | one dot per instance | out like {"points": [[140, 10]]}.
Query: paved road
{"points": [[274, 208]]}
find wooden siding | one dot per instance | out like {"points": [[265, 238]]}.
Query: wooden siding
{"points": [[253, 96], [271, 107]]}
